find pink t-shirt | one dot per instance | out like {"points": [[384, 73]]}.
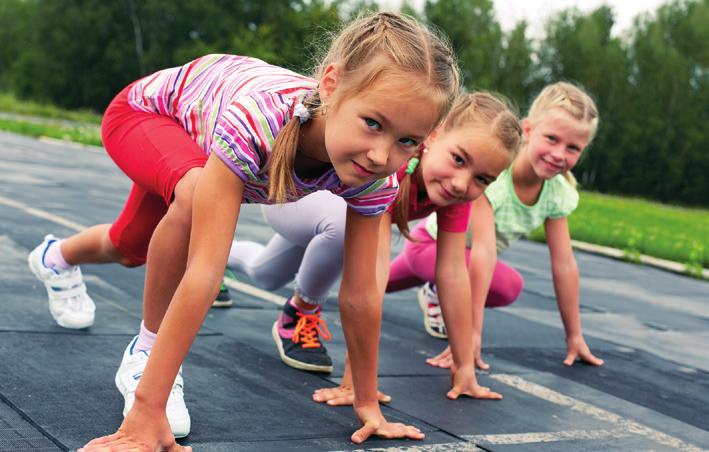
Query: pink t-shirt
{"points": [[453, 218]]}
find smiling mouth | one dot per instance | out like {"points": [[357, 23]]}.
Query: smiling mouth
{"points": [[362, 170], [447, 194], [554, 165]]}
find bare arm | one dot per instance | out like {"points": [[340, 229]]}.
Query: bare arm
{"points": [[210, 238], [361, 294], [360, 302], [454, 294], [146, 426], [483, 256], [565, 274], [453, 287]]}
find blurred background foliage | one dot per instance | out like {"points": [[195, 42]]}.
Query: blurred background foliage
{"points": [[650, 81]]}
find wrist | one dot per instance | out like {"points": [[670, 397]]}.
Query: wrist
{"points": [[147, 404]]}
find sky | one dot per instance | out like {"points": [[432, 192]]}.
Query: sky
{"points": [[535, 12]]}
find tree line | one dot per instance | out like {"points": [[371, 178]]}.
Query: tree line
{"points": [[650, 81]]}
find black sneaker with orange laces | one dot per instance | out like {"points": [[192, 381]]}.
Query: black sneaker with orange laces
{"points": [[297, 336]]}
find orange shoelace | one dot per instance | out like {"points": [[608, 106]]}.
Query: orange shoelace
{"points": [[307, 329]]}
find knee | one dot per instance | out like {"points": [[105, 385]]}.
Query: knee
{"points": [[511, 290], [180, 211], [333, 230], [130, 262], [123, 256]]}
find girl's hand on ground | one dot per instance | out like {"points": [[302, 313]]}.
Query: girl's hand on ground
{"points": [[576, 348], [342, 395], [477, 347], [466, 383], [444, 360], [373, 423], [140, 431]]}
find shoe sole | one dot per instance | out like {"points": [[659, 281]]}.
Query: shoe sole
{"points": [[423, 304], [177, 433], [292, 362], [59, 320], [222, 304]]}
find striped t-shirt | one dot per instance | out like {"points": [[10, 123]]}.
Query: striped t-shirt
{"points": [[234, 106]]}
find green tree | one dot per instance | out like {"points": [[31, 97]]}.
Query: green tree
{"points": [[580, 48], [475, 35]]}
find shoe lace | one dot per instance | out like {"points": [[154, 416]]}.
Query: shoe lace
{"points": [[307, 329]]}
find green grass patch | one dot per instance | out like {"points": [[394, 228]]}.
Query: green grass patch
{"points": [[85, 134], [641, 227], [10, 104]]}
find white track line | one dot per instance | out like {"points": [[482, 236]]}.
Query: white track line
{"points": [[546, 437], [42, 214], [620, 422], [460, 446], [255, 291]]}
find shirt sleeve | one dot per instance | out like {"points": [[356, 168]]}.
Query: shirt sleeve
{"points": [[454, 218], [566, 199], [245, 132], [373, 198]]}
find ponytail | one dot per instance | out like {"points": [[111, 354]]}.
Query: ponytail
{"points": [[569, 176], [281, 187], [281, 161], [401, 204]]}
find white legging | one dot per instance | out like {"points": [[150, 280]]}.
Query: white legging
{"points": [[308, 245]]}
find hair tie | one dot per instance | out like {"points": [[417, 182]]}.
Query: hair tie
{"points": [[302, 112], [411, 166]]}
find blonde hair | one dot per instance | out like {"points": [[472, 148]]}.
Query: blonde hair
{"points": [[572, 99], [409, 47], [480, 109]]}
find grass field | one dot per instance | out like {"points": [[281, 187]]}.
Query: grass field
{"points": [[633, 225], [10, 104], [641, 227]]}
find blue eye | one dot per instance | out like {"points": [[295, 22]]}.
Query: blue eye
{"points": [[372, 124], [551, 139], [408, 142], [458, 159], [482, 180]]}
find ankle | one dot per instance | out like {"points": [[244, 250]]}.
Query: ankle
{"points": [[53, 257], [303, 306], [146, 339]]}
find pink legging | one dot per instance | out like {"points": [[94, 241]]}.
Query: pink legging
{"points": [[417, 264]]}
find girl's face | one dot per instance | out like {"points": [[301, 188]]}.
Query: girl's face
{"points": [[554, 142], [369, 135], [459, 164]]}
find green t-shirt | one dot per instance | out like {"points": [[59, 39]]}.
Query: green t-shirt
{"points": [[513, 219]]}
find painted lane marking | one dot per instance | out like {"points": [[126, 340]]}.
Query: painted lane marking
{"points": [[461, 446], [255, 291], [546, 437], [42, 214], [622, 423]]}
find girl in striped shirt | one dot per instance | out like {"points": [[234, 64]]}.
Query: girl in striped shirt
{"points": [[477, 140], [200, 139]]}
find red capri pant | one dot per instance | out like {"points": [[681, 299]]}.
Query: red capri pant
{"points": [[155, 152]]}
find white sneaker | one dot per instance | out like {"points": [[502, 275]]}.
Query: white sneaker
{"points": [[127, 378], [432, 315], [69, 303]]}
